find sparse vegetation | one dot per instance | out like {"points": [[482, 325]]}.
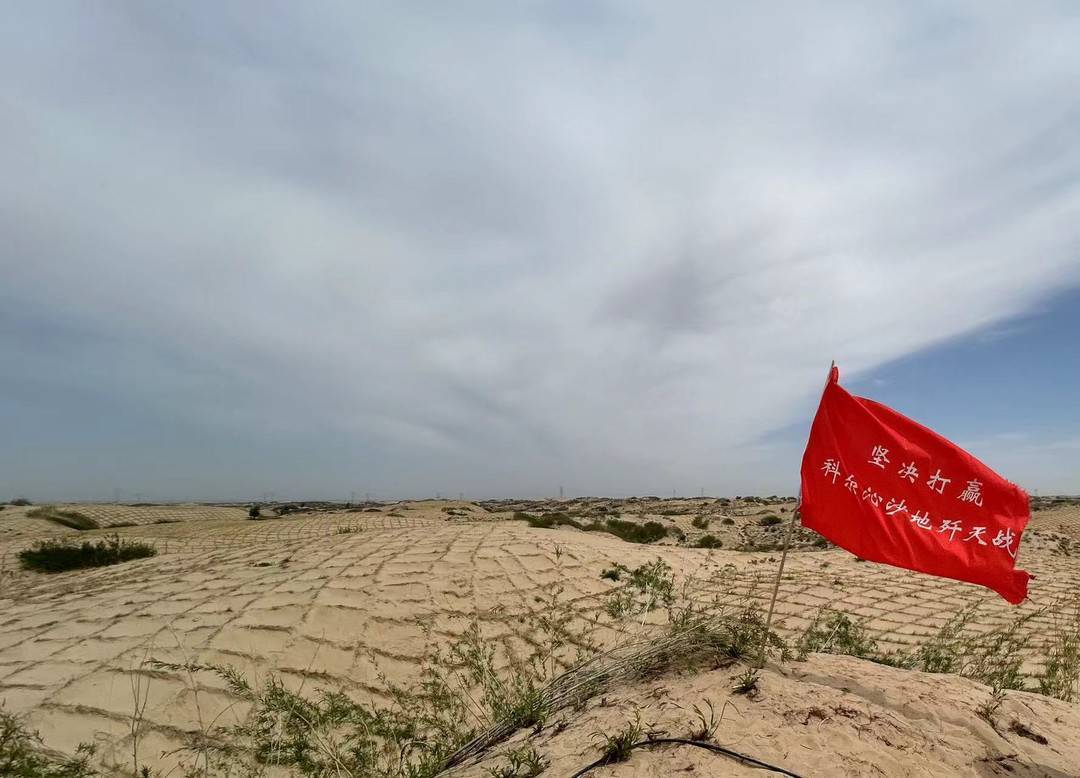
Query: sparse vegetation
{"points": [[727, 521], [771, 520], [22, 754], [474, 691], [20, 501], [648, 587], [995, 657], [255, 512], [55, 556], [469, 697], [834, 632], [700, 522], [618, 747], [68, 518], [1061, 674], [524, 762]]}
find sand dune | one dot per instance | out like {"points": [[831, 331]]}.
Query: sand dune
{"points": [[331, 600]]}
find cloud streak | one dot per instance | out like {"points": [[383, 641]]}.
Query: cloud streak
{"points": [[405, 250]]}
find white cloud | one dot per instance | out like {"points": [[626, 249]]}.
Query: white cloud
{"points": [[605, 245]]}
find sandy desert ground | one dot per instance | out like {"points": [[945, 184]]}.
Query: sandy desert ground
{"points": [[331, 599]]}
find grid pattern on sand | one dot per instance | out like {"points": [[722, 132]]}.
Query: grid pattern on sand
{"points": [[324, 608]]}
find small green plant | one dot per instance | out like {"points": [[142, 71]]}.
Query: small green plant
{"points": [[55, 556], [21, 754], [612, 573], [706, 725], [618, 747], [746, 681], [834, 632], [71, 519], [770, 521], [524, 762], [700, 522], [648, 587], [988, 709], [255, 512], [727, 520], [708, 541]]}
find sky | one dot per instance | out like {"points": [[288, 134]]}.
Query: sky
{"points": [[311, 250]]}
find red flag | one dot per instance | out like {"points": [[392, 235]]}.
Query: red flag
{"points": [[890, 490]]}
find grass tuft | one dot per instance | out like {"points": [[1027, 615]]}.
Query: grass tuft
{"points": [[521, 763], [746, 682], [618, 747]]}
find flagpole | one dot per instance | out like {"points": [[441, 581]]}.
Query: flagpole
{"points": [[776, 585], [780, 570]]}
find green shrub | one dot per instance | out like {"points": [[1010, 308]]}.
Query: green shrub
{"points": [[728, 521], [1061, 675], [834, 632], [709, 541], [700, 522], [56, 556], [254, 512], [72, 519], [632, 532], [648, 587], [770, 521], [20, 501], [21, 754], [549, 521]]}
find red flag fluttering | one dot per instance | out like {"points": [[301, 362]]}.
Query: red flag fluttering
{"points": [[890, 490]]}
